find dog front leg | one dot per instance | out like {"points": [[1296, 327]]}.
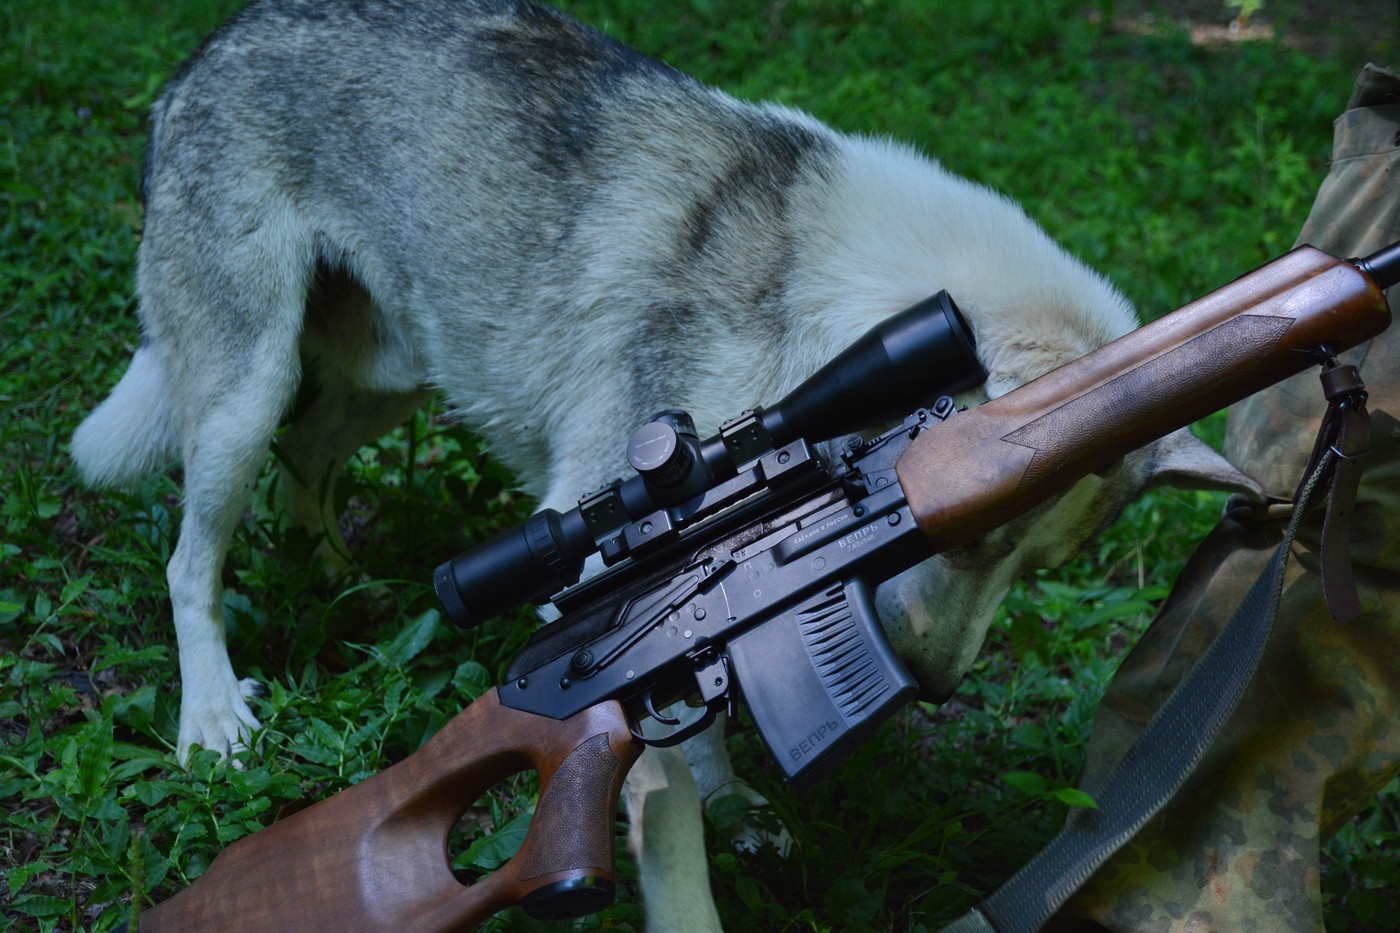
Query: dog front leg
{"points": [[667, 838], [714, 778], [225, 447], [214, 712]]}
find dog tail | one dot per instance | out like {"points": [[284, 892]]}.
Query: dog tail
{"points": [[133, 432]]}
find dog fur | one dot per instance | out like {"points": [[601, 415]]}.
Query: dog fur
{"points": [[553, 231]]}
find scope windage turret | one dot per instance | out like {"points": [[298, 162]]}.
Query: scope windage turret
{"points": [[923, 352], [665, 452]]}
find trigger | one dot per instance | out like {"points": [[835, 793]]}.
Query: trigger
{"points": [[660, 717], [680, 735], [712, 681]]}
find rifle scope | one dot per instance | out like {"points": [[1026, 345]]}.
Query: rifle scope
{"points": [[924, 351]]}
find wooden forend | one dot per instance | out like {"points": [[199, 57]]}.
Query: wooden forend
{"points": [[1016, 451]]}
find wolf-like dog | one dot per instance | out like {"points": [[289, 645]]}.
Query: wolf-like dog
{"points": [[486, 199]]}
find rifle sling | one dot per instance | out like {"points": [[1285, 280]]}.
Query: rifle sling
{"points": [[1178, 736], [1346, 432]]}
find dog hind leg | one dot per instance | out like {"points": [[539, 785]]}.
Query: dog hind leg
{"points": [[362, 381], [317, 445], [219, 474]]}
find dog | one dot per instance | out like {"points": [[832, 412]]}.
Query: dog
{"points": [[488, 200]]}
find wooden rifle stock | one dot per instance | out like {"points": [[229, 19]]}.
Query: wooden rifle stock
{"points": [[374, 857], [1018, 450]]}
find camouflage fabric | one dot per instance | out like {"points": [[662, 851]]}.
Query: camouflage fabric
{"points": [[1318, 733]]}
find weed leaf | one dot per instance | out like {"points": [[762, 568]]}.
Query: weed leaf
{"points": [[412, 639], [492, 851], [1075, 798]]}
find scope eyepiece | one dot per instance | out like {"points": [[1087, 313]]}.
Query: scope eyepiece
{"points": [[525, 564]]}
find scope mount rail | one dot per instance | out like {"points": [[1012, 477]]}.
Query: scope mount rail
{"points": [[878, 379]]}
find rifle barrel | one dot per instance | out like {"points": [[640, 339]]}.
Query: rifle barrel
{"points": [[1383, 266]]}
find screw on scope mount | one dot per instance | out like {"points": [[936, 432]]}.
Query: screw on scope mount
{"points": [[905, 361]]}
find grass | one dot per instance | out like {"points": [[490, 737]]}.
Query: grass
{"points": [[1171, 166]]}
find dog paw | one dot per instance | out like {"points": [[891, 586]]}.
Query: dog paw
{"points": [[744, 834], [751, 839], [248, 687], [218, 720]]}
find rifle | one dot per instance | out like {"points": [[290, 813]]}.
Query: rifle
{"points": [[741, 568]]}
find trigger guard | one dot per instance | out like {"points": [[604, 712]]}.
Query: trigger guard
{"points": [[705, 720]]}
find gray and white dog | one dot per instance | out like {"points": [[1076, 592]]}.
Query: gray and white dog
{"points": [[562, 236]]}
